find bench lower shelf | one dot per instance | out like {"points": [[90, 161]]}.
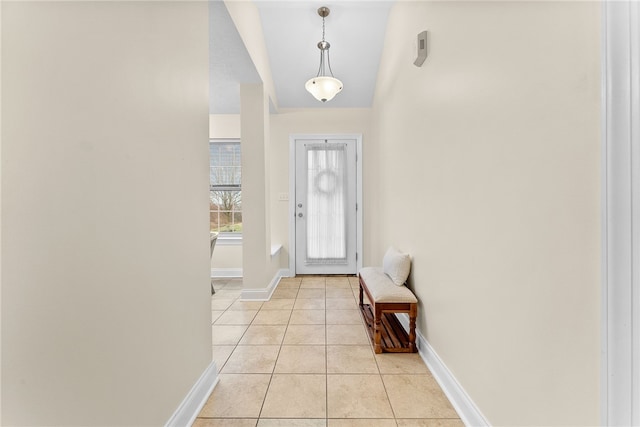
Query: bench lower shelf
{"points": [[394, 338]]}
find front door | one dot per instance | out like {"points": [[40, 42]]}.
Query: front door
{"points": [[325, 206]]}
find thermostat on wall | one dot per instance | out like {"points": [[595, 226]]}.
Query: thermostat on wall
{"points": [[422, 49]]}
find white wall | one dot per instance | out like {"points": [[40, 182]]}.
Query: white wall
{"points": [[105, 279], [488, 160], [311, 121]]}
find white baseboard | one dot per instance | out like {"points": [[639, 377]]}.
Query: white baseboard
{"points": [[265, 293], [221, 273], [462, 403], [190, 407], [286, 272]]}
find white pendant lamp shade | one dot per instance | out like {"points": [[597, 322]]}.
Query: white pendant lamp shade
{"points": [[323, 88]]}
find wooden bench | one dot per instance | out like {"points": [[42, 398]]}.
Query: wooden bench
{"points": [[387, 298]]}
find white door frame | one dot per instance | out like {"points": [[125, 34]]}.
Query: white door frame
{"points": [[620, 368], [292, 192]]}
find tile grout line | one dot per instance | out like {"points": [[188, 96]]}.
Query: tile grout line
{"points": [[326, 360], [386, 392], [264, 399], [236, 344], [326, 371]]}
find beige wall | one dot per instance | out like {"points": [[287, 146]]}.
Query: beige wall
{"points": [[282, 125], [308, 121], [226, 257], [224, 126], [246, 18], [258, 267], [488, 160], [105, 311], [1, 259]]}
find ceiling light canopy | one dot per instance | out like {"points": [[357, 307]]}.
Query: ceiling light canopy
{"points": [[324, 86]]}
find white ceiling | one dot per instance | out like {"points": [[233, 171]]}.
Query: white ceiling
{"points": [[229, 62], [292, 30]]}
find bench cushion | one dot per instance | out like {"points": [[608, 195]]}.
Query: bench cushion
{"points": [[382, 288]]}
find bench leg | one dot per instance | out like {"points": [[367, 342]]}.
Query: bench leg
{"points": [[377, 324], [361, 296], [413, 313]]}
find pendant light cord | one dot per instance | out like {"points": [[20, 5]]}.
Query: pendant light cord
{"points": [[321, 68]]}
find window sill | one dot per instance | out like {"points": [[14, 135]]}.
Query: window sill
{"points": [[229, 240], [275, 249]]}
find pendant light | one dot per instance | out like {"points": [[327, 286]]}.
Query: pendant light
{"points": [[324, 86]]}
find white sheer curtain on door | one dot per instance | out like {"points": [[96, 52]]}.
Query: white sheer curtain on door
{"points": [[326, 195]]}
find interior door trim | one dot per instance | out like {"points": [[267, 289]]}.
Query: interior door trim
{"points": [[292, 191], [620, 364]]}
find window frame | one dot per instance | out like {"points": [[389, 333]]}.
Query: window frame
{"points": [[226, 237]]}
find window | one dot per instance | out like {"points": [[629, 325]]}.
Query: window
{"points": [[225, 182]]}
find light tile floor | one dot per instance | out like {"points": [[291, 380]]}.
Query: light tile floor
{"points": [[304, 359]]}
